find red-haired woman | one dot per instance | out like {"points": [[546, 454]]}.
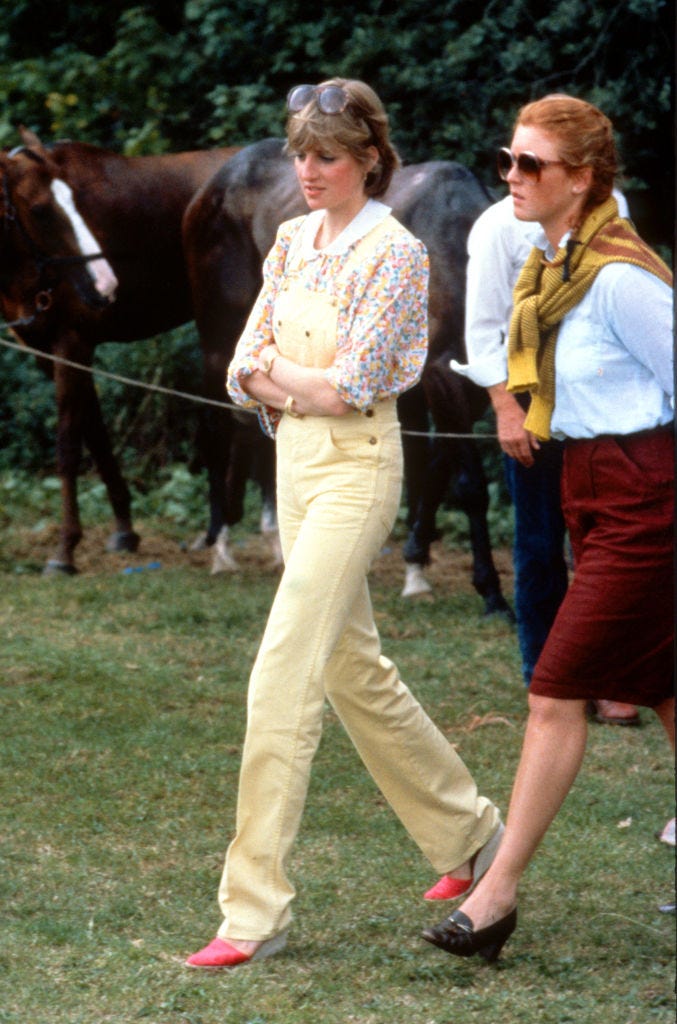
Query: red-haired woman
{"points": [[591, 340]]}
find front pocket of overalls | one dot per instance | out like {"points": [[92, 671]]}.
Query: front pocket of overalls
{"points": [[379, 458], [304, 326], [361, 446], [365, 441]]}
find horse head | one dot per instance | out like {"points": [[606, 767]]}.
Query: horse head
{"points": [[46, 248]]}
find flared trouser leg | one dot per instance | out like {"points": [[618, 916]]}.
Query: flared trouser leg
{"points": [[338, 494], [416, 768]]}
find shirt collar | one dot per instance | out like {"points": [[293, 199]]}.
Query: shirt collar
{"points": [[537, 236], [371, 214]]}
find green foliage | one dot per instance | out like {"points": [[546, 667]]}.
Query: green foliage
{"points": [[27, 413], [166, 75], [149, 429], [150, 76]]}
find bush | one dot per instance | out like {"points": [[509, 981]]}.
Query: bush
{"points": [[158, 76], [148, 429]]}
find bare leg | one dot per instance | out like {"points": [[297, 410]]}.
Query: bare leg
{"points": [[666, 713], [552, 753]]}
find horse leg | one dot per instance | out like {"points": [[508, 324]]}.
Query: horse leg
{"points": [[68, 455], [97, 440], [225, 509], [471, 494], [453, 407], [438, 477], [79, 420], [224, 270], [413, 414], [70, 531], [228, 503], [215, 445], [263, 472], [252, 457]]}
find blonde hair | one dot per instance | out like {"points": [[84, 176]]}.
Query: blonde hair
{"points": [[362, 124], [584, 137]]}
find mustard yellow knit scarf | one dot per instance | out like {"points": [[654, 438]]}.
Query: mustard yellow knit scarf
{"points": [[546, 291]]}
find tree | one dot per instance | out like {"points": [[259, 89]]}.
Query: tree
{"points": [[161, 75], [173, 75]]}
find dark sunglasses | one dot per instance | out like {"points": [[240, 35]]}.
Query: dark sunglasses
{"points": [[528, 164], [330, 99]]}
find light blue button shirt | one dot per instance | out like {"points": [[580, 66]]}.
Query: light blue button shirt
{"points": [[614, 356]]}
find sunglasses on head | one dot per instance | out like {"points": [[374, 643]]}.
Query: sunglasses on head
{"points": [[330, 99], [528, 164]]}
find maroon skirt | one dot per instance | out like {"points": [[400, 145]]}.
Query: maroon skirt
{"points": [[613, 636]]}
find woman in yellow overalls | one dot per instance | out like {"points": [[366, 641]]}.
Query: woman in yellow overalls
{"points": [[339, 330]]}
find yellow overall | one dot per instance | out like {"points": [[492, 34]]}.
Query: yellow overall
{"points": [[338, 492]]}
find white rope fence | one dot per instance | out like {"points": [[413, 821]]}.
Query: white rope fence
{"points": [[21, 347]]}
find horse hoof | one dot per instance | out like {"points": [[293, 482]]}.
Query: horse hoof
{"points": [[222, 560], [221, 563], [200, 543], [123, 540], [415, 583], [272, 538], [268, 520], [56, 568], [498, 606]]}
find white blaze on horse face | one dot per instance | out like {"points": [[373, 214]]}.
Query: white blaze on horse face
{"points": [[101, 271]]}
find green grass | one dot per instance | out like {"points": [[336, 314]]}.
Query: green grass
{"points": [[121, 724]]}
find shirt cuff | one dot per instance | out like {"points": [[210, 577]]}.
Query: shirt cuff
{"points": [[483, 372]]}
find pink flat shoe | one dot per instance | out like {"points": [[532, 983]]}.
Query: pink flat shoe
{"points": [[219, 954], [451, 888], [448, 888]]}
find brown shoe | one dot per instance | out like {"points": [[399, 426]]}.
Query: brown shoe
{"points": [[613, 712]]}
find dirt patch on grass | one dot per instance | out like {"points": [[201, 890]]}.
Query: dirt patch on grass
{"points": [[450, 569]]}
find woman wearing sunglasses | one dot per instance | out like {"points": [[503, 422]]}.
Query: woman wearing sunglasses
{"points": [[591, 340], [338, 331]]}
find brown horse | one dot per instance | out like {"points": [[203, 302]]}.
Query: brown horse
{"points": [[229, 227], [90, 251]]}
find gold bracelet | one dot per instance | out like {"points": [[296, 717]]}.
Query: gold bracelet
{"points": [[289, 408]]}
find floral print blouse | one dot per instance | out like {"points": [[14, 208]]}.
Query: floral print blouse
{"points": [[382, 323]]}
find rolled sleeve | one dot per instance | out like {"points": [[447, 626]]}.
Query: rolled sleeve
{"points": [[258, 331], [498, 245]]}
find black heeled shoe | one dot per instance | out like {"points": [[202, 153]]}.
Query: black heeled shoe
{"points": [[456, 935]]}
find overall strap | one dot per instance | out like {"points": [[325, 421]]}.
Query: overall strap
{"points": [[368, 242], [388, 225]]}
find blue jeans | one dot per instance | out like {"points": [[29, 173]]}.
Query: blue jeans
{"points": [[540, 568]]}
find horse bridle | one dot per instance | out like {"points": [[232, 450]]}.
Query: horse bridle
{"points": [[43, 260]]}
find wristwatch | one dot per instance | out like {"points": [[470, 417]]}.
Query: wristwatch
{"points": [[268, 361]]}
